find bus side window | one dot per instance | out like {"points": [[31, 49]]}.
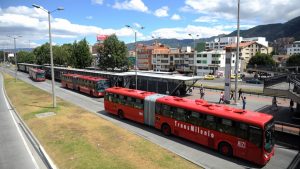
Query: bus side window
{"points": [[129, 101], [193, 118], [179, 114], [255, 135], [158, 108], [226, 126], [166, 111], [242, 130], [115, 98], [210, 122], [138, 104], [121, 99]]}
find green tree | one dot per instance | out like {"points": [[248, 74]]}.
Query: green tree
{"points": [[80, 56], [60, 55], [261, 59], [293, 60], [112, 54], [25, 57], [42, 54], [68, 49]]}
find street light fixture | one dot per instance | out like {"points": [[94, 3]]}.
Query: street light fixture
{"points": [[51, 53], [195, 52], [15, 53], [130, 27]]}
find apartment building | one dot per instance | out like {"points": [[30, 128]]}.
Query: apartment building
{"points": [[247, 50], [184, 60], [144, 53], [221, 43], [161, 59], [210, 62], [294, 48]]}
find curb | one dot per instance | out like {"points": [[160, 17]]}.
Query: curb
{"points": [[33, 140]]}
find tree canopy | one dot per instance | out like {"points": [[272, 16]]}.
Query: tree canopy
{"points": [[261, 59], [25, 57], [112, 54], [293, 60], [80, 55]]}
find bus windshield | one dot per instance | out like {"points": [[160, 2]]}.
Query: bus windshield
{"points": [[102, 85], [40, 75], [269, 136]]}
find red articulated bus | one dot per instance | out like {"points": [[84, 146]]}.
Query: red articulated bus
{"points": [[233, 132], [37, 74], [94, 86]]}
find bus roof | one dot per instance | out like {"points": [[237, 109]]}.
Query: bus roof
{"points": [[37, 70], [90, 78], [198, 105], [130, 92]]}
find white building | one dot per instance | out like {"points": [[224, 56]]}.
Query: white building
{"points": [[211, 62], [221, 43], [294, 49]]}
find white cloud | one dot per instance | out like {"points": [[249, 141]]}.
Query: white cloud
{"points": [[162, 12], [89, 17], [254, 10], [175, 17], [136, 5], [100, 2], [32, 26], [206, 19], [182, 32]]}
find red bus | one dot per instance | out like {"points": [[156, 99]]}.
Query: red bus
{"points": [[233, 132], [37, 74], [94, 86]]}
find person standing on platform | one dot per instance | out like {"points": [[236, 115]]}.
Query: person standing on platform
{"points": [[291, 105], [244, 102], [240, 93], [221, 98], [231, 95], [202, 92]]}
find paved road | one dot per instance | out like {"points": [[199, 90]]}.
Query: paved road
{"points": [[196, 153], [15, 150]]}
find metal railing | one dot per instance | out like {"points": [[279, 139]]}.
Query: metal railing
{"points": [[275, 79]]}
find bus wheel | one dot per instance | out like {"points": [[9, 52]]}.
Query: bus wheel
{"points": [[166, 130], [121, 114], [225, 149]]}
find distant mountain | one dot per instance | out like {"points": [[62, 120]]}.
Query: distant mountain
{"points": [[273, 31], [270, 31], [171, 42]]}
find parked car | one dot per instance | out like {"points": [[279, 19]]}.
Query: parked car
{"points": [[254, 81], [209, 77]]}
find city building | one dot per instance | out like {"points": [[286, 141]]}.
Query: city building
{"points": [[222, 42], [184, 60], [161, 58], [294, 48], [280, 45], [210, 62], [144, 55], [247, 50]]}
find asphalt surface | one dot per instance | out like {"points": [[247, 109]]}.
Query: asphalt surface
{"points": [[15, 149], [195, 153]]}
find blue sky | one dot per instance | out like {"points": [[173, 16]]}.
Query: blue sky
{"points": [[161, 18]]}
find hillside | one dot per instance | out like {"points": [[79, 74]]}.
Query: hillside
{"points": [[273, 31], [270, 31]]}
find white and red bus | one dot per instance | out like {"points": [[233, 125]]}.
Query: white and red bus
{"points": [[37, 74], [233, 132], [94, 86]]}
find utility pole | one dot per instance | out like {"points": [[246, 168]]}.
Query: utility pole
{"points": [[15, 54]]}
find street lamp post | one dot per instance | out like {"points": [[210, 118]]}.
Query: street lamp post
{"points": [[51, 53], [195, 53], [15, 53], [135, 49]]}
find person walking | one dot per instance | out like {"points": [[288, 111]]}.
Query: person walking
{"points": [[201, 92], [231, 95], [274, 103], [291, 105], [244, 102], [240, 93], [221, 98]]}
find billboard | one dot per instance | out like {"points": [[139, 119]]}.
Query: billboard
{"points": [[102, 37]]}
